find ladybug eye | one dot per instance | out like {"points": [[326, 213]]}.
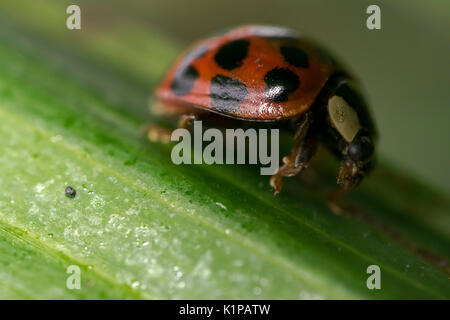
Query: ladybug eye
{"points": [[361, 148]]}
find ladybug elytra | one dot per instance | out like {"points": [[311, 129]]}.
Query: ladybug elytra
{"points": [[272, 74]]}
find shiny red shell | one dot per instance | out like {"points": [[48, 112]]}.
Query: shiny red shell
{"points": [[254, 72]]}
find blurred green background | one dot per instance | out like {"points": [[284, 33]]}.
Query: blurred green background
{"points": [[404, 67]]}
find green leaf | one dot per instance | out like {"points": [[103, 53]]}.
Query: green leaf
{"points": [[141, 227]]}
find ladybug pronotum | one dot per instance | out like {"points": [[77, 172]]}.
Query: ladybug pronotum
{"points": [[272, 74]]}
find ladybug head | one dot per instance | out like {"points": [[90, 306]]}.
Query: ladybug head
{"points": [[353, 126], [358, 159]]}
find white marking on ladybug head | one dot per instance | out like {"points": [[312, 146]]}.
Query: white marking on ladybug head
{"points": [[343, 117]]}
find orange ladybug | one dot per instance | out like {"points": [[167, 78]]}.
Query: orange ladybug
{"points": [[272, 74]]}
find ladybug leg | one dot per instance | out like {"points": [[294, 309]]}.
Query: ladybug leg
{"points": [[304, 148], [333, 201], [286, 170], [347, 183], [186, 120], [307, 151], [157, 133]]}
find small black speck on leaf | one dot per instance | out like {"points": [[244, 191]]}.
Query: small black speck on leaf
{"points": [[70, 192]]}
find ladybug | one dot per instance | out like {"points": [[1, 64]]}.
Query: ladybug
{"points": [[272, 75]]}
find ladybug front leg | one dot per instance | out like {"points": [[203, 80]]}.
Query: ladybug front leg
{"points": [[157, 133], [294, 163], [305, 146]]}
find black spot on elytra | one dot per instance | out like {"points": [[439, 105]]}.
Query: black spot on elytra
{"points": [[186, 74], [295, 56], [184, 80], [226, 93], [280, 83], [231, 54]]}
